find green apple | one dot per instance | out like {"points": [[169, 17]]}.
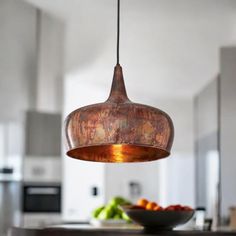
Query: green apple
{"points": [[97, 211]]}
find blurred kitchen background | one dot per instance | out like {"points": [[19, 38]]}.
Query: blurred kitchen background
{"points": [[59, 55]]}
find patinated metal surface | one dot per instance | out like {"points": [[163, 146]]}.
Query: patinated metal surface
{"points": [[118, 130]]}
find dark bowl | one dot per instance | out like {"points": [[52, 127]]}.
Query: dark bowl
{"points": [[158, 220]]}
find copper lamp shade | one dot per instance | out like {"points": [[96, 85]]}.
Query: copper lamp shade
{"points": [[118, 130]]}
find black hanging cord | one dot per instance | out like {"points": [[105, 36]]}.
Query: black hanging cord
{"points": [[118, 33]]}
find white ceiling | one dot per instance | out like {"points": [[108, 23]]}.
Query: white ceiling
{"points": [[168, 48]]}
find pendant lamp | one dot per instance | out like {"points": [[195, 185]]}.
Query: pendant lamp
{"points": [[118, 130]]}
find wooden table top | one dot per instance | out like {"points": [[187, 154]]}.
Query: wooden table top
{"points": [[73, 231]]}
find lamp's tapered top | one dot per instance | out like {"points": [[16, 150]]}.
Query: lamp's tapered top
{"points": [[118, 92], [118, 130]]}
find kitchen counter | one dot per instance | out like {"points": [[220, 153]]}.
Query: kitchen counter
{"points": [[86, 231]]}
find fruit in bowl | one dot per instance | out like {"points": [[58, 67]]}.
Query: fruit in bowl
{"points": [[111, 213], [155, 217], [143, 203]]}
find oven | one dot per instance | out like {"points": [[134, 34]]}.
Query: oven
{"points": [[41, 204]]}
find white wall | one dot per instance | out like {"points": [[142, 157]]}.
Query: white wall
{"points": [[119, 176], [177, 173], [173, 44], [80, 176]]}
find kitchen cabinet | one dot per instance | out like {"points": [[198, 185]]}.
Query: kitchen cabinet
{"points": [[43, 134], [206, 148], [227, 128]]}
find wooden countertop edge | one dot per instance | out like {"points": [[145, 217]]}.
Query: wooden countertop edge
{"points": [[16, 231]]}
